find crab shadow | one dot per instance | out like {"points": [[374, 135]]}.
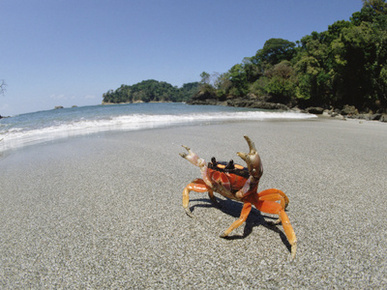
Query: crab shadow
{"points": [[234, 208]]}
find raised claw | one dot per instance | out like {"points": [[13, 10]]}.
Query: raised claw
{"points": [[252, 159], [184, 155], [192, 157]]}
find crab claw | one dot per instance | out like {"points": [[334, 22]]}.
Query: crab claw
{"points": [[192, 157], [252, 159]]}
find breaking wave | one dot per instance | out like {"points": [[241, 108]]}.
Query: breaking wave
{"points": [[19, 135]]}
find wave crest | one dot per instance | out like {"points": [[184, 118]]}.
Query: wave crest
{"points": [[19, 137]]}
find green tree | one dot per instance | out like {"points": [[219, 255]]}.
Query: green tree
{"points": [[313, 68], [281, 83], [205, 78], [360, 57], [372, 11], [205, 90], [274, 51], [252, 71], [186, 92], [223, 84], [238, 79]]}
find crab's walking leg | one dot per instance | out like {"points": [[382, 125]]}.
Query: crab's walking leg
{"points": [[197, 185], [275, 208], [274, 194], [213, 198], [242, 218]]}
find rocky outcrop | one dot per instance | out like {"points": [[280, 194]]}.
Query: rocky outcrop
{"points": [[350, 112], [252, 101], [383, 118], [240, 102], [214, 102], [315, 110], [207, 97]]}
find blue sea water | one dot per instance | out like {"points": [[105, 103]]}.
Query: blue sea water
{"points": [[43, 126]]}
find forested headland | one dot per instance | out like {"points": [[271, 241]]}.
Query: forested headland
{"points": [[343, 66], [151, 91]]}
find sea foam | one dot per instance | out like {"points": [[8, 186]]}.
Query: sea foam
{"points": [[16, 137]]}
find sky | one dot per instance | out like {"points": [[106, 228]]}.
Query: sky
{"points": [[70, 52]]}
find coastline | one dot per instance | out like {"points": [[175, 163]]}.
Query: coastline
{"points": [[105, 210], [347, 112]]}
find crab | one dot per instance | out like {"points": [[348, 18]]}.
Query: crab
{"points": [[239, 183]]}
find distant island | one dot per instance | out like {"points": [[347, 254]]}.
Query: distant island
{"points": [[151, 91], [343, 69]]}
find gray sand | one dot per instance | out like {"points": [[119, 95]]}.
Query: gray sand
{"points": [[105, 211]]}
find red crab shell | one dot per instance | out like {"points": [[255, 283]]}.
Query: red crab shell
{"points": [[231, 176]]}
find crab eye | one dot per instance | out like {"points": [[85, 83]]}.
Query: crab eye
{"points": [[237, 166], [230, 165]]}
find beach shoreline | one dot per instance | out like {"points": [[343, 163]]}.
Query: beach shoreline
{"points": [[105, 210]]}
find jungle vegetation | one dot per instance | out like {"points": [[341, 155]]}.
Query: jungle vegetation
{"points": [[344, 65], [151, 91]]}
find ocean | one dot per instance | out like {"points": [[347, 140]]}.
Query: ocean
{"points": [[45, 126]]}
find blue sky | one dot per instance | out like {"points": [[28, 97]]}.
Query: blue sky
{"points": [[69, 52]]}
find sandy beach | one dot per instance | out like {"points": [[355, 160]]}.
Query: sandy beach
{"points": [[105, 211]]}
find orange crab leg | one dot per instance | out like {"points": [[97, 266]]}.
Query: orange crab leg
{"points": [[198, 185], [242, 218], [274, 194], [275, 208]]}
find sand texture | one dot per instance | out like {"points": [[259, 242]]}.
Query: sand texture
{"points": [[106, 211]]}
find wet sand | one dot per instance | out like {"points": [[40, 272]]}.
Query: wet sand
{"points": [[105, 211]]}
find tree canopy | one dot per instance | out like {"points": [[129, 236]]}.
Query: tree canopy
{"points": [[150, 91], [347, 64]]}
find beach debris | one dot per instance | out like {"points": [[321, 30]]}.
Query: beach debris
{"points": [[239, 183]]}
